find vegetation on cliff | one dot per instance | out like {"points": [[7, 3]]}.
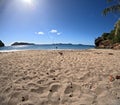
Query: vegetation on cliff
{"points": [[112, 39], [1, 44], [109, 40]]}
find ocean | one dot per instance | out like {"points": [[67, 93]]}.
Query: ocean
{"points": [[45, 47]]}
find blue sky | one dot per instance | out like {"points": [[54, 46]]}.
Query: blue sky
{"points": [[54, 21]]}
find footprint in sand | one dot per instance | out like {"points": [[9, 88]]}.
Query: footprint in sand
{"points": [[68, 90], [71, 88], [35, 88], [115, 93], [42, 81], [30, 85], [54, 96], [2, 99], [54, 87], [17, 97], [38, 89], [106, 98], [7, 89]]}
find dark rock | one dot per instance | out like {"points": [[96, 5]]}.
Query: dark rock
{"points": [[54, 79], [117, 77], [110, 54], [50, 90], [60, 53], [70, 95], [98, 41], [1, 44], [101, 43], [23, 98]]}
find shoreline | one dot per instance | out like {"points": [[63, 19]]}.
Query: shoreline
{"points": [[60, 77], [47, 50], [97, 49]]}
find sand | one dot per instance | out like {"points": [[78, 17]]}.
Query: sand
{"points": [[86, 77]]}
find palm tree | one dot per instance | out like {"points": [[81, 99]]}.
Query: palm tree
{"points": [[113, 8]]}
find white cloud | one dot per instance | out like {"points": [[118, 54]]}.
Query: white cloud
{"points": [[40, 33], [58, 33], [53, 31]]}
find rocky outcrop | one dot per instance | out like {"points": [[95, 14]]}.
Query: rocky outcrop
{"points": [[21, 43], [116, 46], [1, 44], [101, 43], [109, 40]]}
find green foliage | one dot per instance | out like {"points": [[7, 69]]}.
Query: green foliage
{"points": [[113, 37], [117, 32], [113, 8], [105, 36], [116, 39]]}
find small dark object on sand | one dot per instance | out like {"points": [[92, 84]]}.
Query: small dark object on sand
{"points": [[23, 98], [111, 78], [110, 53], [54, 79], [117, 77], [60, 53], [50, 90], [70, 95], [47, 73]]}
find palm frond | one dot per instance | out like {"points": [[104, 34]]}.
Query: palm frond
{"points": [[109, 0], [115, 8]]}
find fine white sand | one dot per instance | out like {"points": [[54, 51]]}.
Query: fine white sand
{"points": [[60, 77]]}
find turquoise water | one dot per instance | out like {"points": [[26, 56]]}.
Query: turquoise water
{"points": [[45, 47]]}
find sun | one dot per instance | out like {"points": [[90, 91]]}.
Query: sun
{"points": [[28, 1], [31, 4]]}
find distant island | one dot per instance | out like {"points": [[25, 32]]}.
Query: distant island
{"points": [[70, 44], [21, 43], [26, 43], [62, 44]]}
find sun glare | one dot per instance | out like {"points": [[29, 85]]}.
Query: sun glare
{"points": [[29, 4], [28, 1]]}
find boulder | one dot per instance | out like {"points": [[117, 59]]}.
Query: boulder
{"points": [[1, 44], [98, 41], [101, 43]]}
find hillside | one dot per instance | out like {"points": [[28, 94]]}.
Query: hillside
{"points": [[110, 40]]}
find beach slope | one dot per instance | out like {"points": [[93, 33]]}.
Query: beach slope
{"points": [[84, 77]]}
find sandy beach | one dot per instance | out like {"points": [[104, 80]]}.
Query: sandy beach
{"points": [[83, 77]]}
